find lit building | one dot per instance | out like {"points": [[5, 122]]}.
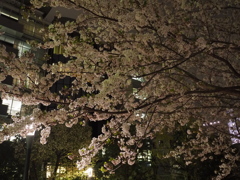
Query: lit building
{"points": [[17, 30]]}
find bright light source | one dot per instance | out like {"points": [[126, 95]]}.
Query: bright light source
{"points": [[49, 172], [8, 15], [89, 172], [30, 130], [12, 138], [14, 106]]}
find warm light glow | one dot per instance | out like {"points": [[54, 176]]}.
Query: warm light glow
{"points": [[89, 172], [50, 168], [30, 130]]}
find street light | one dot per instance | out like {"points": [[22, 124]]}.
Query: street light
{"points": [[89, 172], [29, 140]]}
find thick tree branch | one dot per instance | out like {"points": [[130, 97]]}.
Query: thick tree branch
{"points": [[229, 65]]}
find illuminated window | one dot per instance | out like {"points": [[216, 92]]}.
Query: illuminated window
{"points": [[146, 155], [31, 28], [58, 50], [138, 79], [50, 168], [14, 106], [22, 48], [14, 17]]}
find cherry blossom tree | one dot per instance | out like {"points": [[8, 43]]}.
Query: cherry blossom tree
{"points": [[183, 56]]}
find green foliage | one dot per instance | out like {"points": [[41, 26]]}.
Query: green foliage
{"points": [[63, 140], [170, 168], [141, 170], [62, 143], [11, 166]]}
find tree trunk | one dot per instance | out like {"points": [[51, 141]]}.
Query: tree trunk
{"points": [[56, 167], [35, 171]]}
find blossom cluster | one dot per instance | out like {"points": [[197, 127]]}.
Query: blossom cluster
{"points": [[184, 53]]}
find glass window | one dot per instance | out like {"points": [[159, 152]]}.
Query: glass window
{"points": [[14, 106]]}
